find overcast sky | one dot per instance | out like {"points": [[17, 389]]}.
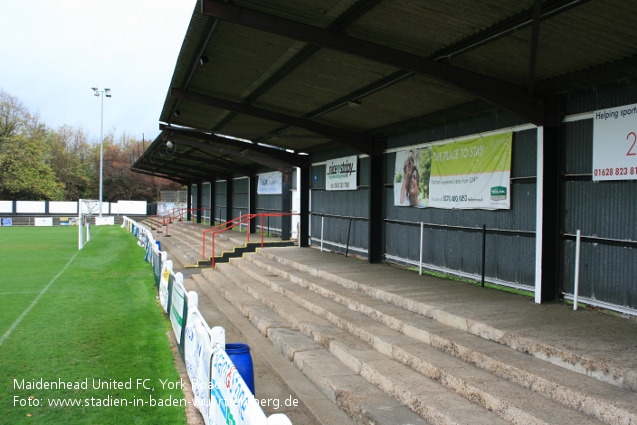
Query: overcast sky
{"points": [[53, 51]]}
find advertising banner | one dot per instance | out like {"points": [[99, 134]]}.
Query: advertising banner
{"points": [[177, 303], [231, 402], [43, 221], [163, 284], [197, 354], [341, 173], [270, 184], [615, 143], [469, 174]]}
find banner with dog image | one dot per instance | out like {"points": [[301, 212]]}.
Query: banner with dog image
{"points": [[468, 174]]}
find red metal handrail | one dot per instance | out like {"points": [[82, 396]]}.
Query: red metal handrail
{"points": [[179, 213], [172, 215], [220, 228], [154, 219]]}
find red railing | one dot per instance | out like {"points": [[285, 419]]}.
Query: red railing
{"points": [[223, 227], [183, 214], [172, 215], [159, 220]]}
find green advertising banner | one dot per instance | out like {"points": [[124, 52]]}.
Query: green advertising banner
{"points": [[469, 174]]}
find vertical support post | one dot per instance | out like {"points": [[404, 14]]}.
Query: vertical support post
{"points": [[213, 190], [304, 191], [376, 204], [199, 200], [422, 236], [189, 203], [551, 214], [349, 230], [252, 200], [539, 209], [229, 193], [322, 224], [484, 251], [286, 204], [578, 239]]}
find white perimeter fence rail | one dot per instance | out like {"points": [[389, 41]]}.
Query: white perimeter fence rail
{"points": [[220, 393]]}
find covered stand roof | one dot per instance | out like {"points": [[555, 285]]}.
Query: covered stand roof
{"points": [[285, 79]]}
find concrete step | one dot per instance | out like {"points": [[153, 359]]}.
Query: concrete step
{"points": [[600, 400], [277, 380], [587, 343], [185, 241], [389, 354], [361, 400]]}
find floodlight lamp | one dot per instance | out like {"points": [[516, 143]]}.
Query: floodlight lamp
{"points": [[94, 88], [169, 144]]}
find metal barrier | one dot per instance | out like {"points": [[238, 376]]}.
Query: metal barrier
{"points": [[223, 227], [221, 394]]}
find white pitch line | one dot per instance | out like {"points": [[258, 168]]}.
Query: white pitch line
{"points": [[11, 293], [35, 301]]}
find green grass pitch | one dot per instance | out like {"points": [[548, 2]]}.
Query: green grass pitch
{"points": [[82, 337]]}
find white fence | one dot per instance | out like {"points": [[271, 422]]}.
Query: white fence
{"points": [[221, 394], [70, 207]]}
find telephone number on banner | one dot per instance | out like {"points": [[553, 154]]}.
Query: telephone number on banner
{"points": [[619, 171], [454, 198]]}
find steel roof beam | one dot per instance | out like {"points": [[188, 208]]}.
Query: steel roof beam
{"points": [[160, 175], [190, 169], [619, 68], [193, 173], [211, 160], [354, 140], [290, 158], [500, 93], [179, 172], [259, 159]]}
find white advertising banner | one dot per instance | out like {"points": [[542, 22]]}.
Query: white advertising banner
{"points": [[197, 354], [105, 220], [615, 143], [6, 206], [341, 173], [131, 207], [62, 207], [231, 401], [43, 221], [469, 174], [166, 268], [177, 302], [32, 207], [270, 184]]}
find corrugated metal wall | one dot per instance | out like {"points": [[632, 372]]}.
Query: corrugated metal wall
{"points": [[219, 207], [240, 196], [205, 202], [193, 196], [339, 219], [269, 204], [604, 212], [452, 239]]}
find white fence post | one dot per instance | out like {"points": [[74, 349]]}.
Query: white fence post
{"points": [[576, 279]]}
